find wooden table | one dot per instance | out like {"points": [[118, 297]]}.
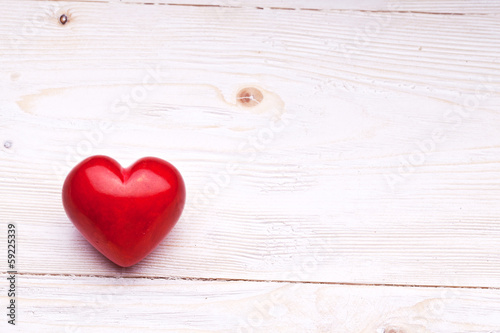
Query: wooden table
{"points": [[341, 158]]}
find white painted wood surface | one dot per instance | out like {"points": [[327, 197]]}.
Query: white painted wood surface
{"points": [[51, 304], [373, 158], [449, 7]]}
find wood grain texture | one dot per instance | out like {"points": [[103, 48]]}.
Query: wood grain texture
{"points": [[77, 304], [373, 157], [450, 7]]}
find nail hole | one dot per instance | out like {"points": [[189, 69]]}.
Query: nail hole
{"points": [[249, 96], [7, 144], [63, 19]]}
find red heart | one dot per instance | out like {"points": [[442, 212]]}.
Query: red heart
{"points": [[124, 212]]}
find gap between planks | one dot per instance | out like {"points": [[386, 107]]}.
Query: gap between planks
{"points": [[185, 278]]}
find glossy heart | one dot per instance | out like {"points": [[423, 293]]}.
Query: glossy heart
{"points": [[124, 212]]}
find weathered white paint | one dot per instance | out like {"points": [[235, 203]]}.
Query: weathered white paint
{"points": [[449, 7], [90, 304], [342, 125], [377, 161]]}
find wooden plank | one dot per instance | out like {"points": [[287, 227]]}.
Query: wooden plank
{"points": [[79, 304], [376, 158], [416, 6]]}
